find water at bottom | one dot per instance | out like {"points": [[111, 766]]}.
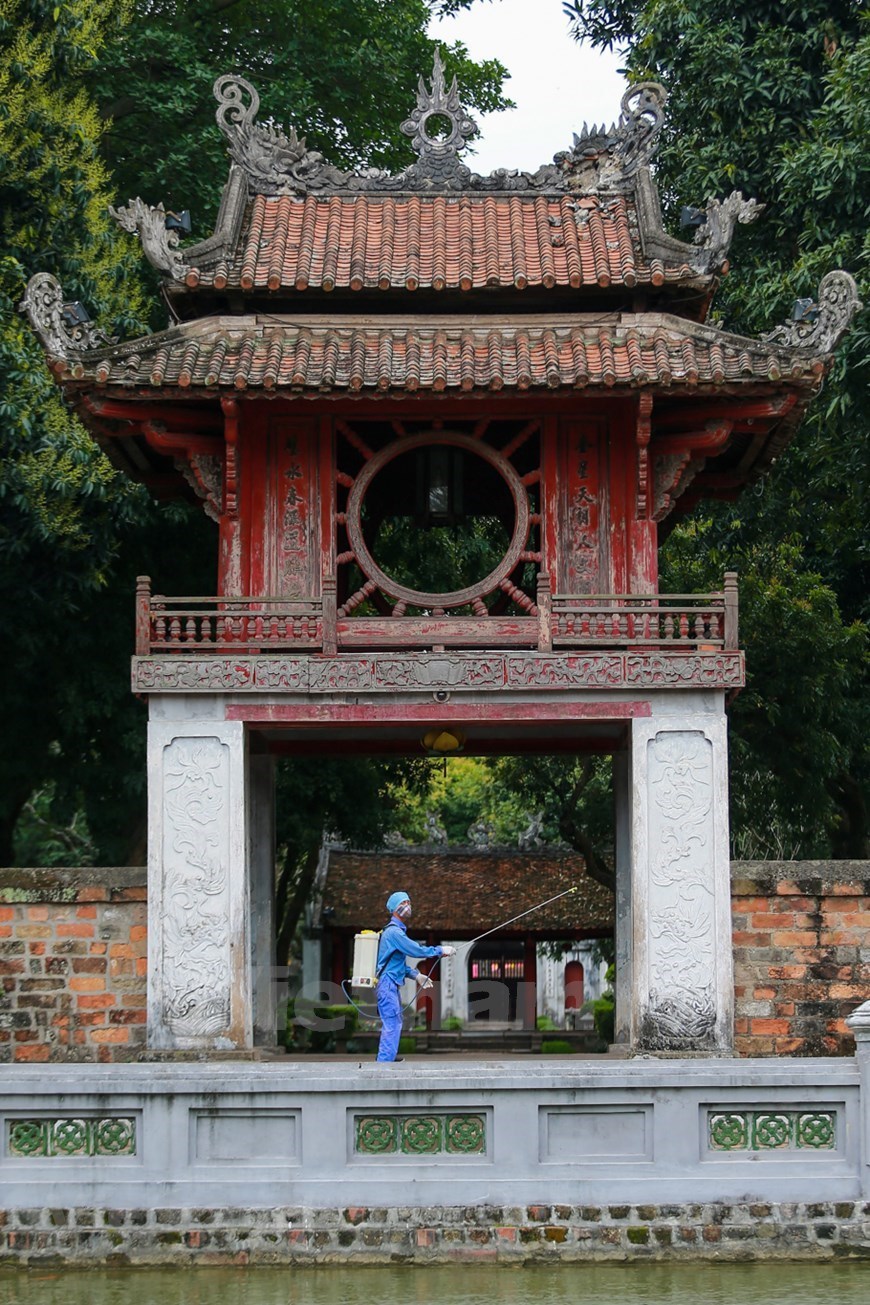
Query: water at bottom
{"points": [[594, 1284]]}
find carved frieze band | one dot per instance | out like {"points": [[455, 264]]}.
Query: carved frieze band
{"points": [[382, 673]]}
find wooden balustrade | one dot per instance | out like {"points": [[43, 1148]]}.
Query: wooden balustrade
{"points": [[675, 622]]}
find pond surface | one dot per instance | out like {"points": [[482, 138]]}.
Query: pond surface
{"points": [[595, 1284]]}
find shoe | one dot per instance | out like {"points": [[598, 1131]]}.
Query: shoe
{"points": [[399, 1060]]}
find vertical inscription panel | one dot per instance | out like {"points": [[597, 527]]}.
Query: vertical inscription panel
{"points": [[195, 961], [293, 530], [581, 543], [681, 971]]}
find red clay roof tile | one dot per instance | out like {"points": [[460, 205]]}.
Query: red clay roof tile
{"points": [[287, 353], [462, 893], [441, 242]]}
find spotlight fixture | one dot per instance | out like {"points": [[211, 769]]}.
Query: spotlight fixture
{"points": [[74, 315], [692, 217], [804, 310]]}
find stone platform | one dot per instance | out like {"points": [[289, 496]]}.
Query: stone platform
{"points": [[348, 1133]]}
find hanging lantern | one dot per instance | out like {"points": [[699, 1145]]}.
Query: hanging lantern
{"points": [[440, 488], [444, 741]]}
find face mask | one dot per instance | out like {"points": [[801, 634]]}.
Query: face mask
{"points": [[403, 910]]}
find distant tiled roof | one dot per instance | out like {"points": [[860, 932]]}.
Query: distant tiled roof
{"points": [[463, 242], [463, 893], [450, 354]]}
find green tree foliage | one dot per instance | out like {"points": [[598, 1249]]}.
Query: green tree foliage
{"points": [[344, 74], [459, 792], [774, 100], [355, 799], [62, 505], [103, 99]]}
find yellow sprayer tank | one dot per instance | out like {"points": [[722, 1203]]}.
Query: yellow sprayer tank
{"points": [[365, 959]]}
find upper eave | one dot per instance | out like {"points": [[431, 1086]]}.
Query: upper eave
{"points": [[500, 244]]}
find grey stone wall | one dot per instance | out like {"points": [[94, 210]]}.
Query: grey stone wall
{"points": [[821, 1230]]}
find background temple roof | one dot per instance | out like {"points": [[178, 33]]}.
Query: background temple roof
{"points": [[463, 892]]}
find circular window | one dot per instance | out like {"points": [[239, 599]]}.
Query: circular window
{"points": [[409, 500]]}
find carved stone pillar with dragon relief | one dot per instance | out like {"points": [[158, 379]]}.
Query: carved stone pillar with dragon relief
{"points": [[199, 968], [681, 966]]}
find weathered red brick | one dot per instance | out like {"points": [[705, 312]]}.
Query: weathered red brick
{"points": [[77, 929]]}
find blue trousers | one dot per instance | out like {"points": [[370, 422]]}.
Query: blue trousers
{"points": [[390, 1011]]}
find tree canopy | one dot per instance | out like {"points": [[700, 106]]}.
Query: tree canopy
{"points": [[774, 100], [344, 75], [104, 99]]}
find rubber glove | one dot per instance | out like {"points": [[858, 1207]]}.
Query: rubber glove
{"points": [[448, 951]]}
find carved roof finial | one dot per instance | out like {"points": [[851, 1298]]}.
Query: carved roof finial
{"points": [[64, 329], [608, 157], [720, 218], [822, 327], [159, 243], [276, 162], [438, 151]]}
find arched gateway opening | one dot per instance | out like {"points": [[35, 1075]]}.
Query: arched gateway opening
{"points": [[442, 422]]}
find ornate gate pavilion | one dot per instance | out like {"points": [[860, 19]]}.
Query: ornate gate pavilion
{"points": [[356, 356]]}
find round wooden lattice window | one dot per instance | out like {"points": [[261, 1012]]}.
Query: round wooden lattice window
{"points": [[457, 597]]}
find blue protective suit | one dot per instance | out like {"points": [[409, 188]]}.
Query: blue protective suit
{"points": [[393, 969]]}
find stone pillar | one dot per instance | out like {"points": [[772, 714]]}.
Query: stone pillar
{"points": [[859, 1023], [623, 933], [528, 1003], [682, 995], [261, 828], [199, 959]]}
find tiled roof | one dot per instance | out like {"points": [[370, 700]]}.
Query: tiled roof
{"points": [[463, 893], [463, 242], [450, 354]]}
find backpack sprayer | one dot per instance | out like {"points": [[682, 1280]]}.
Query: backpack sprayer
{"points": [[364, 971]]}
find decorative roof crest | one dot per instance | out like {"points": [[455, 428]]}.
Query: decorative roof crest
{"points": [[159, 245], [821, 327], [636, 136], [438, 163], [279, 163], [64, 331]]}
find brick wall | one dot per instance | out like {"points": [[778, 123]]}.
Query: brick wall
{"points": [[72, 964], [801, 954]]}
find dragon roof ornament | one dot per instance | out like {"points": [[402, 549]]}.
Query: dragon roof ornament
{"points": [[820, 329], [63, 334], [713, 237], [159, 245], [278, 162]]}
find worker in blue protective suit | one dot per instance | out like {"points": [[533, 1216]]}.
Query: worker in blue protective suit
{"points": [[393, 969]]}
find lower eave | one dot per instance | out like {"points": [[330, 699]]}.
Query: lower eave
{"points": [[322, 355]]}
